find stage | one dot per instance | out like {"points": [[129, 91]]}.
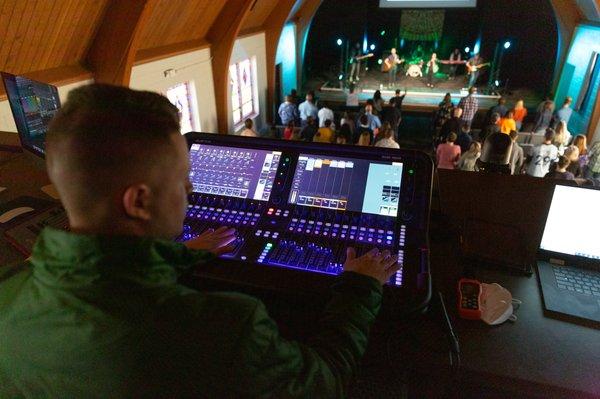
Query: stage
{"points": [[419, 98]]}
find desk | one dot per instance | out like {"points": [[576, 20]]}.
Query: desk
{"points": [[537, 356]]}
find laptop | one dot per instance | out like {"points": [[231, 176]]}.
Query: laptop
{"points": [[569, 265]]}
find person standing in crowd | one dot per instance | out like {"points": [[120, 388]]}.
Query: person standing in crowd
{"points": [[397, 100], [288, 132], [374, 121], [344, 136], [308, 108], [288, 112], [363, 126], [474, 66], [387, 139], [492, 127], [448, 153], [453, 124], [544, 117], [541, 156], [561, 172], [308, 132], [325, 134], [391, 115], [580, 141], [378, 102], [454, 59], [508, 123], [444, 111], [468, 160], [563, 136], [294, 96], [572, 154], [520, 112], [564, 113], [364, 140], [469, 105], [325, 114], [248, 129], [464, 139], [593, 167], [499, 108], [517, 156], [352, 97]]}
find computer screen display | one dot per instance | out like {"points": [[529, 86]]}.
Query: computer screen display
{"points": [[347, 184], [566, 234], [233, 172], [33, 105]]}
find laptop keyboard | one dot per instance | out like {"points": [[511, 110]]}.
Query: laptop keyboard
{"points": [[577, 280]]}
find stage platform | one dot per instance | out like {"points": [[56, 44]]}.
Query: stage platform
{"points": [[419, 98]]}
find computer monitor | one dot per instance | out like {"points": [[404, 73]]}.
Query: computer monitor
{"points": [[564, 234], [33, 105]]}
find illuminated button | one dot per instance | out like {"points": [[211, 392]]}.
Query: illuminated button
{"points": [[389, 237], [243, 258], [371, 230], [294, 220], [390, 232]]}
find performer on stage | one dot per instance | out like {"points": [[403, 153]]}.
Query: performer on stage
{"points": [[432, 68], [454, 59], [417, 55], [392, 62], [355, 55], [473, 66]]}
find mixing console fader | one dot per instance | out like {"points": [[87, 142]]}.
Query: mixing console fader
{"points": [[300, 208]]}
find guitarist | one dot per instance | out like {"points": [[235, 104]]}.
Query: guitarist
{"points": [[474, 64], [356, 60], [391, 63]]}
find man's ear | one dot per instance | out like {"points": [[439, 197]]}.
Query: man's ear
{"points": [[136, 202]]}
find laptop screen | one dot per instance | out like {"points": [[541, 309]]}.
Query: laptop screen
{"points": [[572, 224]]}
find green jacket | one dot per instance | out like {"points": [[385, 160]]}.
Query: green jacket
{"points": [[97, 316]]}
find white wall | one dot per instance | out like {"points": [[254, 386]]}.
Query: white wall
{"points": [[7, 123], [194, 66], [244, 48]]}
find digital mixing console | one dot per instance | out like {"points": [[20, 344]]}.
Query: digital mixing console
{"points": [[300, 207]]}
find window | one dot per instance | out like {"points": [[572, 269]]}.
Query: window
{"points": [[244, 92], [183, 96]]}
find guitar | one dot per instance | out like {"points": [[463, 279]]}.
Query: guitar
{"points": [[473, 68], [362, 57], [387, 64]]}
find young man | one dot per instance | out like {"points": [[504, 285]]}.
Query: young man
{"points": [[308, 132], [542, 156], [288, 112], [397, 100], [492, 127], [97, 311], [392, 61], [355, 62], [374, 122], [561, 172], [564, 113], [324, 114], [474, 65], [500, 108], [308, 109], [469, 105], [455, 59]]}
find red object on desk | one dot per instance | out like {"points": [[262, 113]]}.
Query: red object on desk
{"points": [[469, 299]]}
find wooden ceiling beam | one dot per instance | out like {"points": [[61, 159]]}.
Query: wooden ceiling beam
{"points": [[303, 18], [170, 50], [273, 26], [113, 50], [221, 36]]}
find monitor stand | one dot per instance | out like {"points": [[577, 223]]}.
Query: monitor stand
{"points": [[50, 190]]}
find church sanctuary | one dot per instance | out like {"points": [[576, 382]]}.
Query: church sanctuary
{"points": [[300, 199]]}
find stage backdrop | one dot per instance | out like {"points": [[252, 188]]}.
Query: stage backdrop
{"points": [[422, 25]]}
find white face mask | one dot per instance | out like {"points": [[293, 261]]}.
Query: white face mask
{"points": [[497, 304]]}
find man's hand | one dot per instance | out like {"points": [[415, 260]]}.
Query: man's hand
{"points": [[215, 241], [379, 265]]}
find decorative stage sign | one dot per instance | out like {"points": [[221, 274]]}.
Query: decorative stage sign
{"points": [[421, 24], [427, 3]]}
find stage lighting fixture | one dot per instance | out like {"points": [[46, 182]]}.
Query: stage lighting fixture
{"points": [[372, 47], [341, 76], [506, 44], [380, 61], [497, 83], [382, 33], [339, 42], [467, 49]]}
